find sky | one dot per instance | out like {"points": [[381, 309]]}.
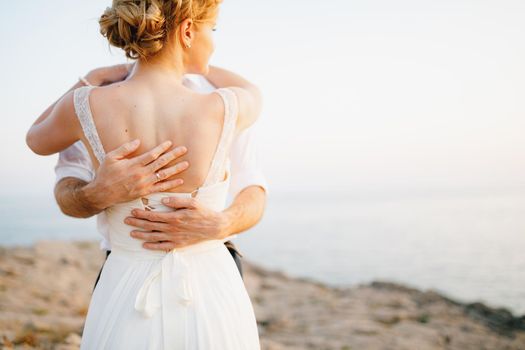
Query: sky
{"points": [[368, 95]]}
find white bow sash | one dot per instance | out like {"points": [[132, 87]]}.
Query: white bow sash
{"points": [[168, 288]]}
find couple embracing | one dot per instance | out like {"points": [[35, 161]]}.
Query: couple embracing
{"points": [[154, 148]]}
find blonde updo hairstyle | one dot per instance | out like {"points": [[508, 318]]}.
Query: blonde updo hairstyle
{"points": [[142, 27]]}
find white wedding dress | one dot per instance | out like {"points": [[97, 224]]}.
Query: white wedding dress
{"points": [[191, 298]]}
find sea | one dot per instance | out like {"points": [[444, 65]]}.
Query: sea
{"points": [[467, 246]]}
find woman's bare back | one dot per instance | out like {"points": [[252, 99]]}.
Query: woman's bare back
{"points": [[152, 113]]}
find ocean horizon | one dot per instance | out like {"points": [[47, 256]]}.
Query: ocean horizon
{"points": [[468, 246]]}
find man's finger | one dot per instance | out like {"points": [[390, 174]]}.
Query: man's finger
{"points": [[149, 236], [180, 203], [146, 225], [173, 170], [151, 215], [167, 158], [166, 185], [148, 157], [124, 150], [164, 246]]}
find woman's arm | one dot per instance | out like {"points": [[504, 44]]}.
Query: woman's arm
{"points": [[49, 109], [248, 95], [55, 130], [57, 127], [98, 77]]}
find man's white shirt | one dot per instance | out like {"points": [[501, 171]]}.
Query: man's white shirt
{"points": [[245, 167]]}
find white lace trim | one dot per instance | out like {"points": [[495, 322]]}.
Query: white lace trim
{"points": [[221, 154], [83, 110]]}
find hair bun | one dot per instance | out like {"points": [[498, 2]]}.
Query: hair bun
{"points": [[136, 26]]}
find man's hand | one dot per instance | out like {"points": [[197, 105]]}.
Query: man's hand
{"points": [[191, 223], [119, 179], [109, 75]]}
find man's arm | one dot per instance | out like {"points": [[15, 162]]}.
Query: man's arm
{"points": [[71, 200], [192, 223], [245, 212], [120, 179]]}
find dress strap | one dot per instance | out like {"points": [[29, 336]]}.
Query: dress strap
{"points": [[85, 117], [220, 157]]}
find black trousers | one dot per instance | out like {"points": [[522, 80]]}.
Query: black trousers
{"points": [[236, 255]]}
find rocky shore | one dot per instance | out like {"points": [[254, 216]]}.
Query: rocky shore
{"points": [[45, 291]]}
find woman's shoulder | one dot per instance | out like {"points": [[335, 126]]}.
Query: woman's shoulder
{"points": [[113, 92], [116, 97], [210, 103]]}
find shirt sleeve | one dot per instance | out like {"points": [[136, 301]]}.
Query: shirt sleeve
{"points": [[74, 162], [245, 164]]}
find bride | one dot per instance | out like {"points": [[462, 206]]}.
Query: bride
{"points": [[191, 297]]}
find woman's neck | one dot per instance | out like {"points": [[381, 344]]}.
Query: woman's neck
{"points": [[160, 68]]}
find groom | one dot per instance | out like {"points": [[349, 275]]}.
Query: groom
{"points": [[82, 193]]}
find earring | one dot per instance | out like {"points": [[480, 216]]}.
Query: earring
{"points": [[188, 46]]}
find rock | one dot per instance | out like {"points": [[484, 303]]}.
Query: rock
{"points": [[386, 317], [501, 320], [366, 328], [292, 313], [73, 339]]}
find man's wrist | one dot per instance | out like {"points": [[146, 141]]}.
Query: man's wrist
{"points": [[89, 196], [225, 224]]}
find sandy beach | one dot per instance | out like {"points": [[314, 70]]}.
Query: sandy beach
{"points": [[45, 291]]}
